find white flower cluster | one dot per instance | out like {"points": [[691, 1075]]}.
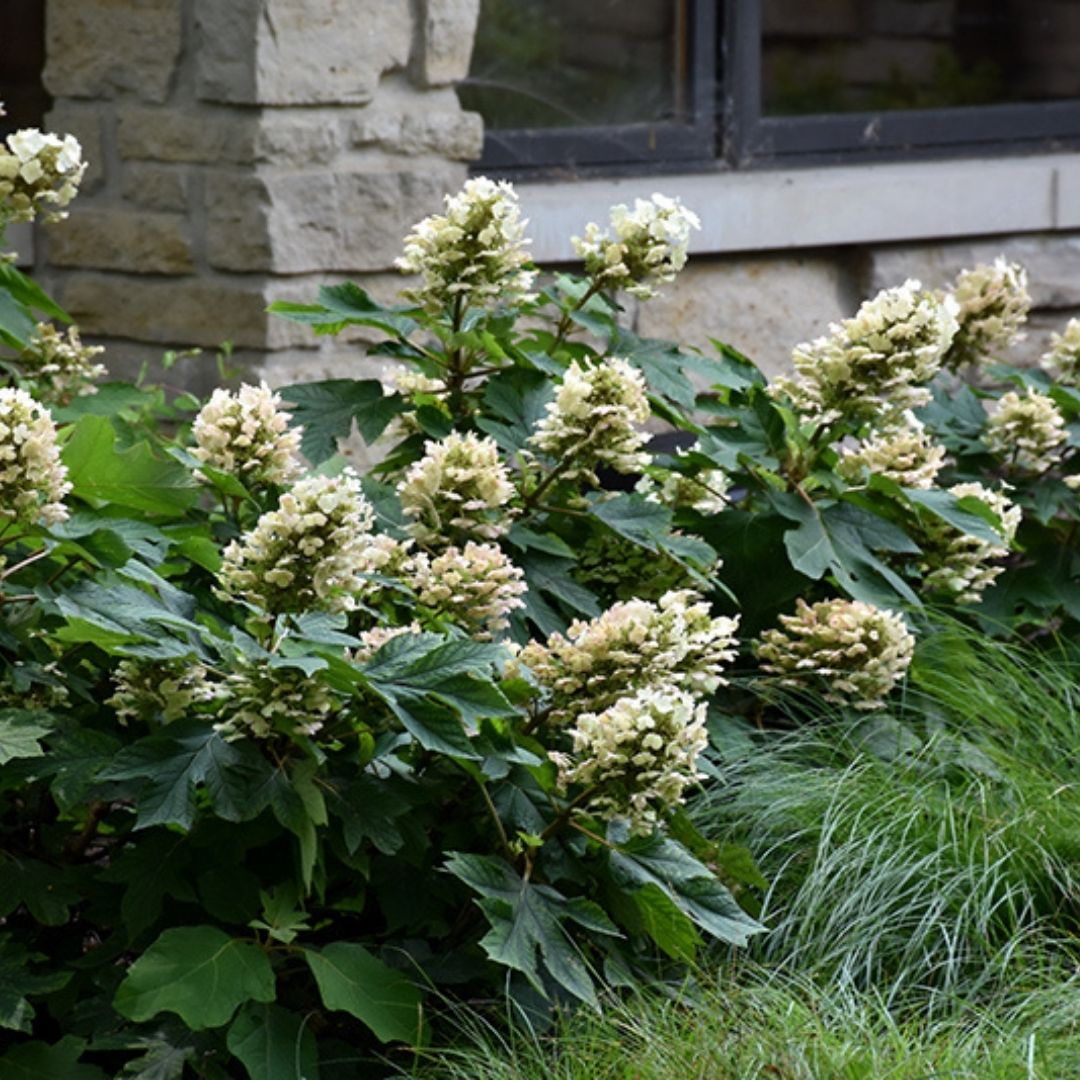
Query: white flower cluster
{"points": [[648, 248], [873, 366], [1063, 356], [408, 382], [457, 491], [309, 553], [60, 365], [960, 564], [39, 171], [476, 586], [674, 642], [853, 652], [704, 491], [475, 252], [263, 701], [992, 305], [591, 422], [641, 753], [158, 690], [371, 641], [1027, 431], [247, 435], [904, 453], [33, 481]]}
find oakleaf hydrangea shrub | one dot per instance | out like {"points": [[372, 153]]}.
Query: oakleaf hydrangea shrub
{"points": [[290, 756]]}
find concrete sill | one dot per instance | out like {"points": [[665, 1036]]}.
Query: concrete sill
{"points": [[826, 206]]}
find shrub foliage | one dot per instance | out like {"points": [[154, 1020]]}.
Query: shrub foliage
{"points": [[287, 754]]}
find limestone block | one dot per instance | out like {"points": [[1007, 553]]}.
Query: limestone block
{"points": [[446, 40], [105, 48], [419, 127], [84, 122], [298, 52], [107, 239], [211, 136], [237, 235], [762, 306], [156, 187], [310, 222], [311, 138], [1052, 262], [174, 311]]}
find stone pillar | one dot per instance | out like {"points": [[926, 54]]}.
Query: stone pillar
{"points": [[244, 151]]}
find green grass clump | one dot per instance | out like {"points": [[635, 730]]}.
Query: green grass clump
{"points": [[759, 1024], [924, 868]]}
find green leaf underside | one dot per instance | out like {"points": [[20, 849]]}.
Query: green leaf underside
{"points": [[197, 972]]}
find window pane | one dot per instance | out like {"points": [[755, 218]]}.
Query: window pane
{"points": [[828, 56], [568, 63], [22, 56]]}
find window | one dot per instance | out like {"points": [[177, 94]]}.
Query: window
{"points": [[594, 84], [569, 85], [22, 56]]}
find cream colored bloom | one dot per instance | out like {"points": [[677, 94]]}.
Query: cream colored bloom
{"points": [[591, 422], [873, 367], [371, 641], [633, 645], [854, 653], [33, 481], [476, 586], [457, 491], [993, 305], [640, 754], [247, 435], [262, 701], [648, 248], [38, 171], [475, 252], [1063, 357], [310, 553], [957, 563], [60, 365], [158, 690], [704, 490], [1027, 431], [904, 453]]}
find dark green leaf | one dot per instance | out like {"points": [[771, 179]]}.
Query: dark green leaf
{"points": [[197, 972], [135, 477], [273, 1044], [237, 778], [354, 981], [21, 732], [39, 1061], [327, 411], [527, 932]]}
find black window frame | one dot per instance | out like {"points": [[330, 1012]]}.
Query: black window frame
{"points": [[752, 139], [641, 145], [729, 131]]}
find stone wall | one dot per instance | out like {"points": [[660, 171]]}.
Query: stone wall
{"points": [[763, 304], [244, 151]]}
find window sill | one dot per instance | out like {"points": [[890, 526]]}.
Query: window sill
{"points": [[826, 206]]}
